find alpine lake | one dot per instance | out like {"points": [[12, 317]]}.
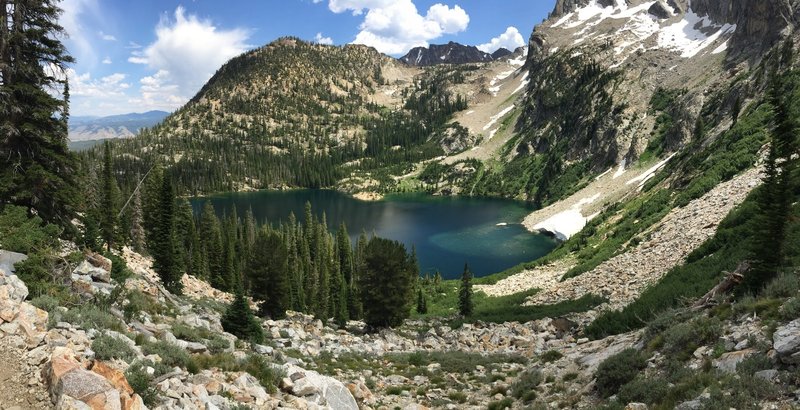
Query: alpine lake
{"points": [[447, 232]]}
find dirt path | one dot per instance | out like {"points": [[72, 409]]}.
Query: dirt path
{"points": [[20, 387]]}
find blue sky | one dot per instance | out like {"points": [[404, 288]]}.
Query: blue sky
{"points": [[135, 56]]}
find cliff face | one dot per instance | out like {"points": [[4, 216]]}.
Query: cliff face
{"points": [[596, 65]]}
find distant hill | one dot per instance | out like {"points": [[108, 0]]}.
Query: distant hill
{"points": [[115, 126], [450, 53]]}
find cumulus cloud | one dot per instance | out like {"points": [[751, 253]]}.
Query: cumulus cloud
{"points": [[510, 40], [186, 53], [83, 85], [322, 40], [395, 26], [107, 60]]}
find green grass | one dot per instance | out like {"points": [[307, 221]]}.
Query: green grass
{"points": [[499, 309]]}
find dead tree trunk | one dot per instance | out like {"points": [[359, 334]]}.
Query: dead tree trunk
{"points": [[732, 279]]}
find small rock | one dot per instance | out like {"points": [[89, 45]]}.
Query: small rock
{"points": [[768, 375]]}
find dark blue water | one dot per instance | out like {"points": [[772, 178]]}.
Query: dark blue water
{"points": [[447, 231]]}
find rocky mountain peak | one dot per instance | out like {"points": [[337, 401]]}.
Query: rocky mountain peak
{"points": [[450, 53]]}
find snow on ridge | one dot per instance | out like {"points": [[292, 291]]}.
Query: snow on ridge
{"points": [[644, 177], [563, 20], [687, 36], [498, 116]]}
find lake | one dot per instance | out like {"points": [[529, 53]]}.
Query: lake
{"points": [[447, 231]]}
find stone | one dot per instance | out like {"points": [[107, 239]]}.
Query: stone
{"points": [[333, 392], [636, 406], [728, 361], [99, 261], [32, 322], [70, 403], [265, 350], [768, 375], [8, 259], [194, 347], [304, 387], [786, 342], [115, 377], [87, 269]]}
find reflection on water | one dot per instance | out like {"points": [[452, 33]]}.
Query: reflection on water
{"points": [[447, 232]]}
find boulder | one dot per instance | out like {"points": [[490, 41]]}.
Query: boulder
{"points": [[71, 403], [87, 269], [99, 261], [99, 387], [12, 288], [331, 392], [728, 361], [32, 323], [8, 259], [786, 342]]}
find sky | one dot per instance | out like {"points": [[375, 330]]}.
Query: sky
{"points": [[136, 56]]}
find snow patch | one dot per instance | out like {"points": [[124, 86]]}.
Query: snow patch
{"points": [[498, 116], [604, 174], [620, 170], [721, 48], [689, 37], [641, 179], [563, 20], [566, 224], [522, 84], [492, 133]]}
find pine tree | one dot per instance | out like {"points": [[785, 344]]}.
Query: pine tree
{"points": [[109, 203], [465, 304], [268, 272], [422, 302], [775, 199], [211, 246], [239, 321], [387, 283], [37, 171], [164, 247], [137, 229]]}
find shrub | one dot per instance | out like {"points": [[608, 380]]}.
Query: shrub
{"points": [[139, 381], [119, 268], [641, 390], [108, 347], [261, 369], [753, 364], [46, 302], [20, 233], [551, 356], [791, 309], [526, 383], [501, 404], [170, 354], [618, 370], [459, 397], [784, 286], [684, 338], [92, 317]]}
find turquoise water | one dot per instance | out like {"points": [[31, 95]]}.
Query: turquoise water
{"points": [[447, 231]]}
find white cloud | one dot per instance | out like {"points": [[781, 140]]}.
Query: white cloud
{"points": [[83, 85], [395, 26], [185, 55], [79, 37], [107, 37], [323, 40], [510, 40], [107, 60]]}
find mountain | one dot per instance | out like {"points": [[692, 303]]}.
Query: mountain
{"points": [[450, 53], [114, 126], [501, 52]]}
